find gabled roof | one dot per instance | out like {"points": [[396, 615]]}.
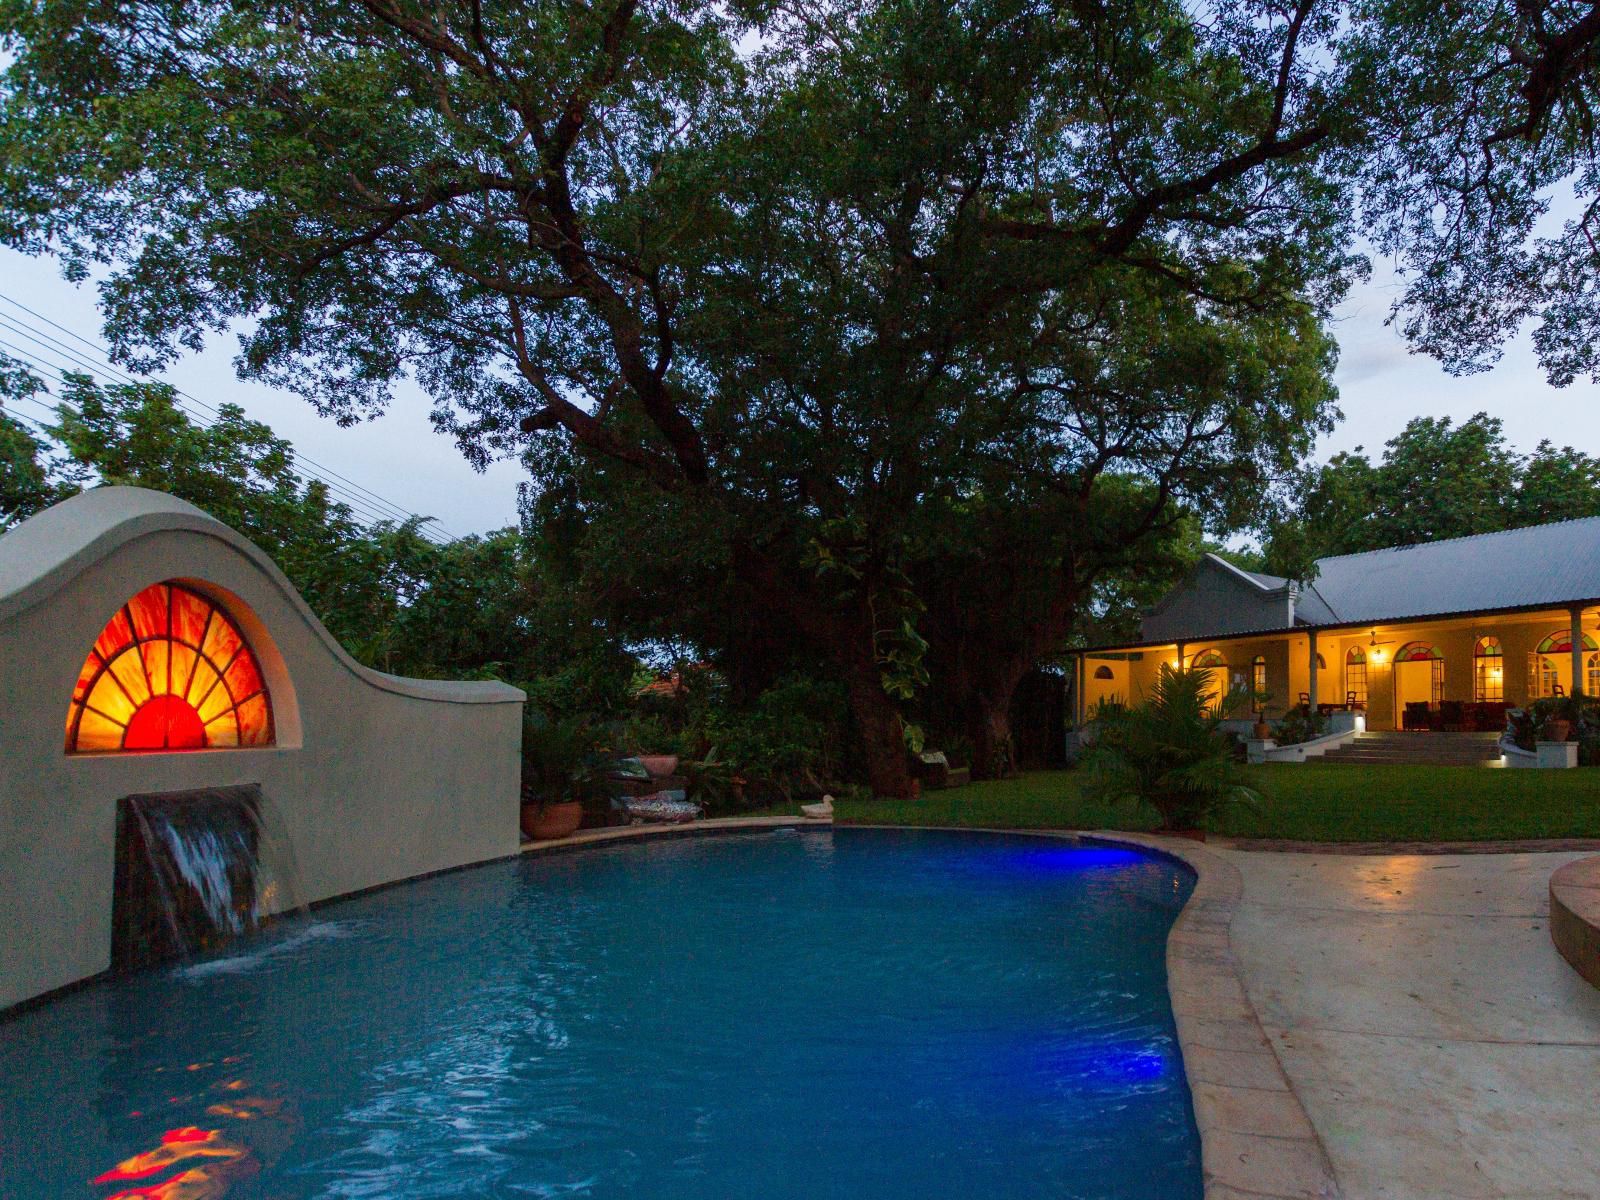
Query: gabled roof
{"points": [[1540, 565]]}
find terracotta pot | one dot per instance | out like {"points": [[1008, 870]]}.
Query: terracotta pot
{"points": [[1555, 730], [659, 765], [544, 823], [1261, 731]]}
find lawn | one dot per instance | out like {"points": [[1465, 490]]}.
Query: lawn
{"points": [[1310, 802]]}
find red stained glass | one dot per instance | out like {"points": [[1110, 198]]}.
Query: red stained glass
{"points": [[1560, 642], [1416, 652], [117, 634], [166, 723], [170, 671]]}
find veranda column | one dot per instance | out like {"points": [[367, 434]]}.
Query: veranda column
{"points": [[1577, 649], [1079, 681], [1311, 687]]}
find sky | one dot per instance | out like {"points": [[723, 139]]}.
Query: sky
{"points": [[399, 456]]}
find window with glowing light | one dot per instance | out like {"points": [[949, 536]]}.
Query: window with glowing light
{"points": [[1355, 675], [1488, 670], [1207, 659], [1414, 652], [170, 671], [1258, 679]]}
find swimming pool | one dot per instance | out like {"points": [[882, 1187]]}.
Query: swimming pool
{"points": [[855, 1013]]}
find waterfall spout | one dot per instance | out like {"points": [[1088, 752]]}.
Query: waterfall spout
{"points": [[195, 871]]}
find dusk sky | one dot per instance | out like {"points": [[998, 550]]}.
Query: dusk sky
{"points": [[400, 457]]}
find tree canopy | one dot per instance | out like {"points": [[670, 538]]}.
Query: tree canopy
{"points": [[1436, 479], [847, 293]]}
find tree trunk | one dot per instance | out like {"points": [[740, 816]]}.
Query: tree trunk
{"points": [[881, 731], [844, 639], [989, 728]]}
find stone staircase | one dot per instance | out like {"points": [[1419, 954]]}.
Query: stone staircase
{"points": [[1419, 749]]}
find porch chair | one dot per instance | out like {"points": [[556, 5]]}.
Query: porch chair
{"points": [[1452, 716], [1416, 717]]}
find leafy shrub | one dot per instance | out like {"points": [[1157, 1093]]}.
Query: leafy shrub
{"points": [[563, 760], [1169, 754], [786, 743], [1299, 725], [715, 784], [1526, 725]]}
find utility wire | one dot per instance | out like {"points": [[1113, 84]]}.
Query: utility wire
{"points": [[363, 511], [362, 500], [371, 510], [102, 362]]}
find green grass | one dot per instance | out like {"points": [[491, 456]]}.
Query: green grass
{"points": [[1310, 802]]}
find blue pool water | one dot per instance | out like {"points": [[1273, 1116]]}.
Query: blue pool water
{"points": [[854, 1014]]}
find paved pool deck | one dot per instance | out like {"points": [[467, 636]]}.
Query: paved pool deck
{"points": [[1439, 1044]]}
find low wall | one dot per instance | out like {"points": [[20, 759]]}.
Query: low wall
{"points": [[1575, 916], [377, 778]]}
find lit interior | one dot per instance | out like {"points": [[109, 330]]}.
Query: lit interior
{"points": [[170, 671]]}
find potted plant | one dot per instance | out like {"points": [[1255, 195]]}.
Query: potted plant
{"points": [[1561, 714], [561, 767], [1170, 755]]}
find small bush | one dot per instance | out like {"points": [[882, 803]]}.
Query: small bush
{"points": [[1299, 725], [1169, 755]]}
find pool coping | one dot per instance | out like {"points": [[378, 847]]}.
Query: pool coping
{"points": [[1255, 1137], [1575, 916], [1256, 1141]]}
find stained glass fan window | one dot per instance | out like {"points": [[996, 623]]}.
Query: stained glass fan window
{"points": [[170, 671]]}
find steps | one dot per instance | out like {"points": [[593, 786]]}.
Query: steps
{"points": [[1419, 749]]}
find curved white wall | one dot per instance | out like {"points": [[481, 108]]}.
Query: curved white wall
{"points": [[377, 778]]}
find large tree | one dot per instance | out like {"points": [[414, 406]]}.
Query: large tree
{"points": [[1436, 479], [1481, 173], [793, 282]]}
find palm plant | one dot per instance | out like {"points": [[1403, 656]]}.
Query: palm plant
{"points": [[1169, 754]]}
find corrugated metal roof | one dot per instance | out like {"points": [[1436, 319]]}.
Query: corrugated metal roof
{"points": [[1517, 568]]}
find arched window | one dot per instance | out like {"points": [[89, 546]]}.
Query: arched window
{"points": [[1104, 672], [170, 671], [1488, 670], [1560, 642], [1417, 652], [1207, 659], [1258, 679], [1414, 652], [1355, 676], [1322, 663]]}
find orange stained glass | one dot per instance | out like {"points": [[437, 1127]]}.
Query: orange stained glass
{"points": [[170, 671]]}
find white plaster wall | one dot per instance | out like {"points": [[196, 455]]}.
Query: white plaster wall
{"points": [[377, 778]]}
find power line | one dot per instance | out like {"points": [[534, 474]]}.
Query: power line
{"points": [[372, 507], [103, 363], [358, 508], [363, 501]]}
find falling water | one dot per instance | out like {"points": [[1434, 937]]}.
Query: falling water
{"points": [[197, 870]]}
